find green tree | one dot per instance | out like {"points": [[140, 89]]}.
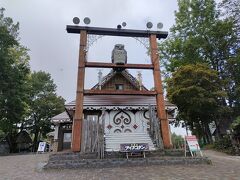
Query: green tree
{"points": [[236, 126], [231, 11], [44, 104], [26, 100], [177, 141], [14, 72], [202, 35], [196, 90], [199, 36], [2, 135]]}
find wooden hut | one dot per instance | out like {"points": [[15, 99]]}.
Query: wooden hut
{"points": [[124, 119]]}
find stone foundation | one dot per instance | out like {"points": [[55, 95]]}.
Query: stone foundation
{"points": [[78, 160], [55, 145]]}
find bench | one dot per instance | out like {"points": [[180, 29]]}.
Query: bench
{"points": [[134, 149]]}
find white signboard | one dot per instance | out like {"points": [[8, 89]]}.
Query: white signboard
{"points": [[193, 144], [212, 127], [41, 147]]}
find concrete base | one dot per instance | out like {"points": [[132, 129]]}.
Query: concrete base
{"points": [[77, 160]]}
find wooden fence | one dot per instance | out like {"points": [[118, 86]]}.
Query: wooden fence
{"points": [[93, 136]]}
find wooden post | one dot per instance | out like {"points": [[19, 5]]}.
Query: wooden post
{"points": [[159, 89], [78, 118]]}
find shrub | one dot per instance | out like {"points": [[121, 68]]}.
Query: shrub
{"points": [[224, 145]]}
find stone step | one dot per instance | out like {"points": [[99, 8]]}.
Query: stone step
{"points": [[104, 163], [79, 156], [79, 160], [71, 156]]}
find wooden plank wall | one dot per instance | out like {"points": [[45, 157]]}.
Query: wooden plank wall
{"points": [[93, 137]]}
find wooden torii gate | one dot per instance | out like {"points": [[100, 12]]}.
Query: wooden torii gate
{"points": [[84, 31]]}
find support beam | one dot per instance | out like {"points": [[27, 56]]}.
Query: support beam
{"points": [[119, 92], [159, 89], [78, 118], [112, 65], [116, 32]]}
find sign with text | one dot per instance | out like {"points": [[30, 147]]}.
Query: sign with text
{"points": [[192, 143], [41, 147], [212, 127], [134, 147]]}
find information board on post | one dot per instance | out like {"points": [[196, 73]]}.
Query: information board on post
{"points": [[41, 147], [134, 147], [192, 143]]}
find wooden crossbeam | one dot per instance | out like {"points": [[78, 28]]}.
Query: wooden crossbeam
{"points": [[119, 92], [116, 32], [112, 65]]}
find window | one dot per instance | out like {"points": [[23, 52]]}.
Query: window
{"points": [[67, 137], [119, 86]]}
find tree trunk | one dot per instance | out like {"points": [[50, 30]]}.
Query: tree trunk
{"points": [[217, 131], [207, 133], [35, 140], [11, 142]]}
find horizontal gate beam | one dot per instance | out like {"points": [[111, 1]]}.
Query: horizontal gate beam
{"points": [[116, 32], [112, 65], [118, 92]]}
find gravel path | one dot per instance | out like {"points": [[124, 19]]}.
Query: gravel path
{"points": [[24, 167]]}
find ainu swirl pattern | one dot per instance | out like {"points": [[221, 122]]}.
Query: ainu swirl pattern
{"points": [[122, 117]]}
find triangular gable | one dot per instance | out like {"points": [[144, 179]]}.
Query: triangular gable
{"points": [[131, 79]]}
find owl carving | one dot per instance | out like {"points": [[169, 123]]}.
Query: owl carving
{"points": [[119, 54]]}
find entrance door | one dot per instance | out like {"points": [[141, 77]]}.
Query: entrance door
{"points": [[67, 137]]}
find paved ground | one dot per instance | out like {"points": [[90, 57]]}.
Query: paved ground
{"points": [[24, 167]]}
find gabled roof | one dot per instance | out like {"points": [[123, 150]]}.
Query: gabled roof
{"points": [[125, 74], [62, 117], [113, 102], [117, 102], [104, 101]]}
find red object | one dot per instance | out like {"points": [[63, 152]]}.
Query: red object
{"points": [[135, 126], [191, 138], [109, 126]]}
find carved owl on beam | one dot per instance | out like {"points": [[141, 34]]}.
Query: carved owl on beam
{"points": [[119, 54]]}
